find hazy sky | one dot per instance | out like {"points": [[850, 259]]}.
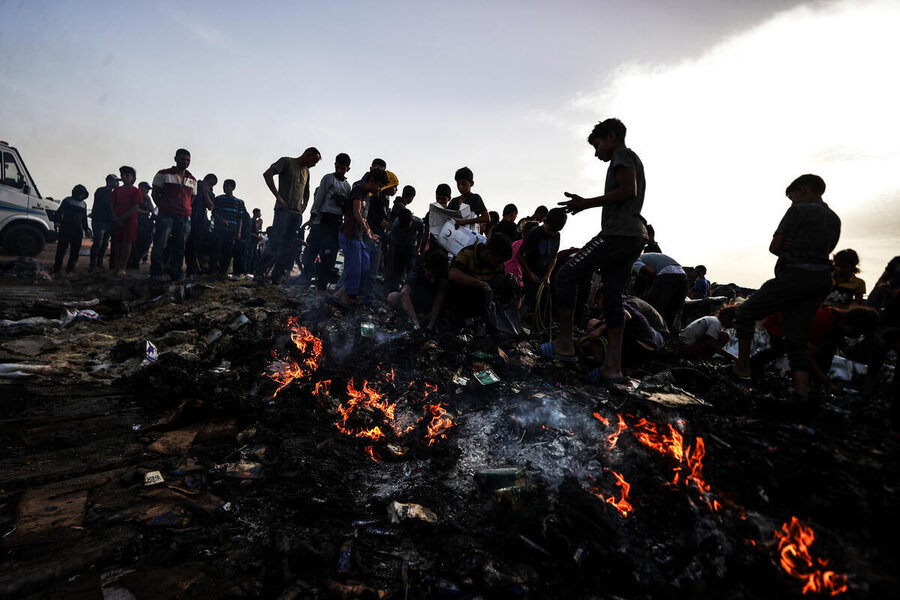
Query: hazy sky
{"points": [[726, 102]]}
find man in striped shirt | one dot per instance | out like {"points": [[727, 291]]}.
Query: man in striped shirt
{"points": [[227, 215], [173, 190]]}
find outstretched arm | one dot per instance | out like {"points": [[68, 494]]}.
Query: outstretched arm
{"points": [[626, 190]]}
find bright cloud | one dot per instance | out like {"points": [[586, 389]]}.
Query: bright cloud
{"points": [[813, 89]]}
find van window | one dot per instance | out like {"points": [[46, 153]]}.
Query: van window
{"points": [[9, 172]]}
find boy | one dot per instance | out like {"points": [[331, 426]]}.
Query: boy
{"points": [[424, 291], [472, 271], [227, 213], [613, 250], [537, 254], [507, 224], [125, 200], [700, 288], [326, 216], [72, 220], [145, 227], [465, 179], [354, 234], [803, 243], [661, 281], [442, 197], [406, 233], [706, 337]]}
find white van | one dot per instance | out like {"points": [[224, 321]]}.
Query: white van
{"points": [[26, 218]]}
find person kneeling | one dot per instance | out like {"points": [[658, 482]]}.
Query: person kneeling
{"points": [[472, 271], [706, 337], [424, 291]]}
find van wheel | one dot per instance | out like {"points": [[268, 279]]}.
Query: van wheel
{"points": [[23, 240]]}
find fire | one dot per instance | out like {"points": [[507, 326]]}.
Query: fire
{"points": [[441, 421], [794, 540], [310, 347], [622, 505], [667, 443], [322, 388], [366, 398], [694, 464], [370, 450]]}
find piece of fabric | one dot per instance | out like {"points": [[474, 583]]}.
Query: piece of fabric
{"points": [[356, 264]]}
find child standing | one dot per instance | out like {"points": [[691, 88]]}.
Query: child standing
{"points": [[125, 200], [72, 219], [613, 250], [465, 179], [537, 254], [802, 242]]}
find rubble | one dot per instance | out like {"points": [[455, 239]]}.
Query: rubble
{"points": [[245, 462]]}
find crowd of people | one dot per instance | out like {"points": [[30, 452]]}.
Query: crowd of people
{"points": [[490, 269]]}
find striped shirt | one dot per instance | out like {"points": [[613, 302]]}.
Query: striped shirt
{"points": [[227, 213], [173, 192]]}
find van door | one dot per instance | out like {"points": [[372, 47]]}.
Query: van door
{"points": [[13, 199]]}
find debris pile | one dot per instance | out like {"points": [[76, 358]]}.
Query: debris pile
{"points": [[224, 440]]}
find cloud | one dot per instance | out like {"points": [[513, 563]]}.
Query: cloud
{"points": [[811, 89]]}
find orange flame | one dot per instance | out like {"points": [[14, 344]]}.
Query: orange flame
{"points": [[602, 419], [441, 421], [370, 450], [694, 464], [622, 505], [794, 540], [366, 398], [612, 439], [309, 345], [667, 443]]}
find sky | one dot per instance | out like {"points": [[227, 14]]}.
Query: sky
{"points": [[725, 102]]}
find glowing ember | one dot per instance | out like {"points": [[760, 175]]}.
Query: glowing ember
{"points": [[602, 419], [441, 421], [667, 442], [622, 505], [365, 398], [370, 450], [310, 347], [322, 388], [794, 540], [612, 439]]}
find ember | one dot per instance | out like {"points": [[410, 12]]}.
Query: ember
{"points": [[794, 540], [622, 505], [310, 347], [441, 421]]}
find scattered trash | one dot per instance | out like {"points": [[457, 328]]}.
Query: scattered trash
{"points": [[151, 354], [398, 511], [367, 329], [213, 337], [493, 479], [242, 470], [486, 377], [459, 379], [153, 478], [15, 370], [75, 315], [239, 322]]}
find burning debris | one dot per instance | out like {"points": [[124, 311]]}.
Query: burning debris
{"points": [[383, 466]]}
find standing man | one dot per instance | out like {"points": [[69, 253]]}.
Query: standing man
{"points": [[102, 221], [173, 191], [620, 241], [145, 227], [198, 247], [327, 216], [291, 197], [228, 213]]}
